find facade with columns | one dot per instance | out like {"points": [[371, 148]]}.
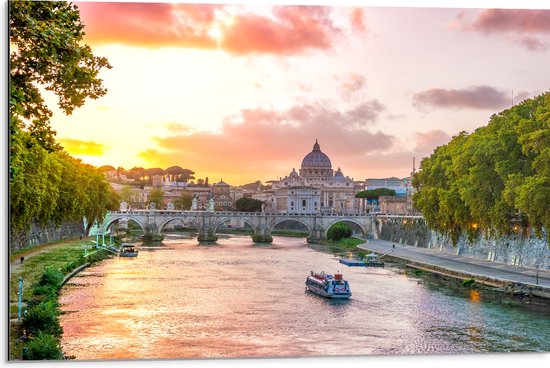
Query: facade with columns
{"points": [[317, 188]]}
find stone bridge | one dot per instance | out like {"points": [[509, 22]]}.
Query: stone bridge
{"points": [[152, 222]]}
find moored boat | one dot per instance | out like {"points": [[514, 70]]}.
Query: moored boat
{"points": [[372, 260], [352, 262], [328, 286], [127, 250]]}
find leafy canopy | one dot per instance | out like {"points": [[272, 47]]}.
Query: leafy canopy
{"points": [[46, 52], [496, 179]]}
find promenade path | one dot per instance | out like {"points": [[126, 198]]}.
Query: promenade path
{"points": [[474, 267]]}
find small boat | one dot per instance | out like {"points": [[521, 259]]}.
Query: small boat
{"points": [[352, 262], [127, 250], [372, 260], [327, 285]]}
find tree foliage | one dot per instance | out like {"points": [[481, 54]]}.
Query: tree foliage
{"points": [[373, 194], [48, 52], [246, 204], [496, 179], [183, 202], [156, 196], [339, 231], [46, 184]]}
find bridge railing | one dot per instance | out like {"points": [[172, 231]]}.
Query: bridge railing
{"points": [[236, 213]]}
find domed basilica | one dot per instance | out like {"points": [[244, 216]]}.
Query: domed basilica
{"points": [[316, 189]]}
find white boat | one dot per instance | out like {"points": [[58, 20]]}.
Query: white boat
{"points": [[127, 250], [327, 285]]}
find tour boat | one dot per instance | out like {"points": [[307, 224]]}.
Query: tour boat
{"points": [[327, 285], [127, 250]]}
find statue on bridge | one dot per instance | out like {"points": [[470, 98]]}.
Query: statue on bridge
{"points": [[211, 205], [194, 205]]}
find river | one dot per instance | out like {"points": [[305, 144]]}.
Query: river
{"points": [[237, 299]]}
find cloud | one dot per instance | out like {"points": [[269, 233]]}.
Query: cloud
{"points": [[265, 143], [352, 82], [526, 27], [295, 29], [287, 30], [79, 147], [358, 20], [148, 24], [475, 97], [176, 127], [428, 141]]}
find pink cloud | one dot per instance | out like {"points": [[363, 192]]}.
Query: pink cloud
{"points": [[352, 82], [475, 97], [526, 27], [295, 29], [290, 29], [358, 20], [428, 141], [148, 24], [268, 143]]}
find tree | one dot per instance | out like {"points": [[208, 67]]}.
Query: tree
{"points": [[48, 52], [339, 231], [156, 196], [46, 184], [496, 179], [183, 202], [126, 194], [373, 194], [248, 205]]}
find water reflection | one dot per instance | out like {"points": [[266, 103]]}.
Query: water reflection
{"points": [[238, 299]]}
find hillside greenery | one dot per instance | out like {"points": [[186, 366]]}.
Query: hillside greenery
{"points": [[495, 180]]}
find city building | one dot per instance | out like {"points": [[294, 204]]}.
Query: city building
{"points": [[317, 188], [221, 192]]}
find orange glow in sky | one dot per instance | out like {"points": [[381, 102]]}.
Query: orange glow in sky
{"points": [[241, 92]]}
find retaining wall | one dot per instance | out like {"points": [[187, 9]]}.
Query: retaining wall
{"points": [[529, 251], [45, 234]]}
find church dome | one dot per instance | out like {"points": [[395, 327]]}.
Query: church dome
{"points": [[316, 158], [293, 175], [339, 175]]}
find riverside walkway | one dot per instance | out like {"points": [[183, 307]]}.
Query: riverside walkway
{"points": [[475, 268]]}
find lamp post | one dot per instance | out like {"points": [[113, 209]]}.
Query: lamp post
{"points": [[537, 274]]}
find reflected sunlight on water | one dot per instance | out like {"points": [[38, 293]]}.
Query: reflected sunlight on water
{"points": [[236, 299]]}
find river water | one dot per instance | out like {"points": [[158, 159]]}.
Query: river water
{"points": [[237, 299]]}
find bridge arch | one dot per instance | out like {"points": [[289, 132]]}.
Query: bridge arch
{"points": [[111, 221], [223, 220], [169, 220], [364, 231], [277, 222]]}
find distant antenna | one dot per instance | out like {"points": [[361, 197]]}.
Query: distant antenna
{"points": [[414, 166]]}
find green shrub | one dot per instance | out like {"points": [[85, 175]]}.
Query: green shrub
{"points": [[468, 282], [51, 277], [417, 272], [44, 346], [43, 317], [339, 231]]}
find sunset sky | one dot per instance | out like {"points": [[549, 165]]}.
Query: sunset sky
{"points": [[241, 92]]}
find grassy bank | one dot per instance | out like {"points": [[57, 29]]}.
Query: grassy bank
{"points": [[42, 271], [345, 245]]}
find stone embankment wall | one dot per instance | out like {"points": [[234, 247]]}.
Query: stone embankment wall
{"points": [[45, 234], [529, 251]]}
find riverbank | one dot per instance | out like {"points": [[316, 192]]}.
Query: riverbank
{"points": [[525, 284], [44, 270]]}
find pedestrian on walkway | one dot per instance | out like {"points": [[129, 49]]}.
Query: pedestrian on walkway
{"points": [[394, 246], [22, 259]]}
